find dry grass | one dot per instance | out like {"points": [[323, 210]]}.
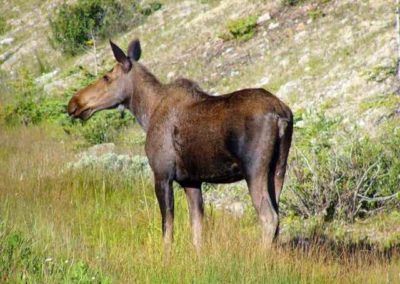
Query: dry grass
{"points": [[112, 224]]}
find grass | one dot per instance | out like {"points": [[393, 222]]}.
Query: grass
{"points": [[108, 226]]}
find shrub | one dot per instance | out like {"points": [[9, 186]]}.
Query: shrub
{"points": [[103, 127], [30, 106], [242, 29], [291, 2], [73, 26], [150, 8], [338, 175], [3, 26], [315, 14]]}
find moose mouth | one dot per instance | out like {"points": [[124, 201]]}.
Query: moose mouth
{"points": [[84, 114]]}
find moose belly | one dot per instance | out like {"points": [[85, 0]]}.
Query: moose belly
{"points": [[212, 168], [203, 153]]}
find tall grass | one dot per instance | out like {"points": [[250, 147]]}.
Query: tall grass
{"points": [[109, 226]]}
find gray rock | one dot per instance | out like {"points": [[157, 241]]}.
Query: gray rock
{"points": [[263, 18], [46, 77], [7, 41], [263, 81], [101, 149], [273, 26], [236, 208]]}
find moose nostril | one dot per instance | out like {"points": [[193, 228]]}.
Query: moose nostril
{"points": [[72, 107]]}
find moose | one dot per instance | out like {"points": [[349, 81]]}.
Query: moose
{"points": [[193, 137]]}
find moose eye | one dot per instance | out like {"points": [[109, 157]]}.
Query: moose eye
{"points": [[106, 78]]}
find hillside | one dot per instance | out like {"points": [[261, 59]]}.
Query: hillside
{"points": [[339, 56]]}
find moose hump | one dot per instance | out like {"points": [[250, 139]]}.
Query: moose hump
{"points": [[190, 87]]}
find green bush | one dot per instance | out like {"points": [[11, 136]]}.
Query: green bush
{"points": [[291, 2], [75, 25], [315, 14], [337, 174], [242, 29], [30, 107], [150, 8], [298, 2], [103, 127], [3, 25]]}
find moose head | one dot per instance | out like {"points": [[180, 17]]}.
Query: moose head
{"points": [[110, 91]]}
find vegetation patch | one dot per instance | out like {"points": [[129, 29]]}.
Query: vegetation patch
{"points": [[315, 14], [241, 29], [31, 107], [339, 175], [74, 26], [21, 262], [3, 25], [292, 2], [150, 8], [380, 73]]}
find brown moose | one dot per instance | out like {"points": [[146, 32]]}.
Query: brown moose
{"points": [[193, 137]]}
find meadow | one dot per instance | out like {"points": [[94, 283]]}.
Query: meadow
{"points": [[93, 226]]}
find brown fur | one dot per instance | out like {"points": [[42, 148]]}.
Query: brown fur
{"points": [[193, 137]]}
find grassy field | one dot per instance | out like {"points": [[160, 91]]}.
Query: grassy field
{"points": [[58, 225]]}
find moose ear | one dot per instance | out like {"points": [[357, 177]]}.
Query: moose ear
{"points": [[134, 50], [121, 57]]}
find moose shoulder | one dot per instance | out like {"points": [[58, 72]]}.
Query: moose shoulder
{"points": [[193, 137]]}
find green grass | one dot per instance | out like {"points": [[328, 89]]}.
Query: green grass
{"points": [[109, 226]]}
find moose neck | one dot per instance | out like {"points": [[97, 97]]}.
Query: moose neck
{"points": [[146, 95]]}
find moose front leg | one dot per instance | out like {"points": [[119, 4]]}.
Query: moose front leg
{"points": [[196, 210], [165, 197]]}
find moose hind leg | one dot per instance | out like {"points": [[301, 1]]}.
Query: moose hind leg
{"points": [[258, 163], [262, 201], [196, 210], [165, 197], [285, 140]]}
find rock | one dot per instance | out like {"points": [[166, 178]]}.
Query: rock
{"points": [[264, 80], [101, 149], [46, 77], [300, 27], [273, 26], [284, 62], [299, 36], [234, 73], [263, 18], [7, 41], [170, 75], [288, 88], [55, 86], [6, 55], [304, 59], [236, 208]]}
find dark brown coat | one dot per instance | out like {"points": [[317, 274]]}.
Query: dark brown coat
{"points": [[193, 137]]}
